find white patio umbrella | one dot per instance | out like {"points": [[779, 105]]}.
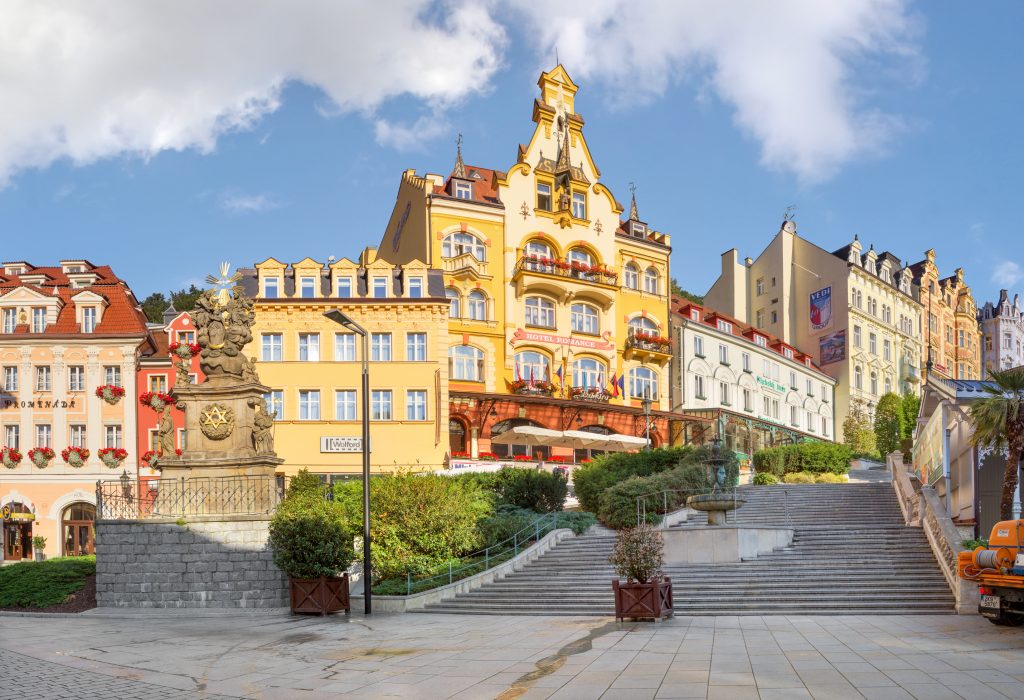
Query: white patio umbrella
{"points": [[527, 435], [582, 440], [622, 443]]}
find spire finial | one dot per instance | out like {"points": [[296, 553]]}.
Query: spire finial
{"points": [[460, 167], [634, 214]]}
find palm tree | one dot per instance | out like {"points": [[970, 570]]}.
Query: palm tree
{"points": [[998, 420]]}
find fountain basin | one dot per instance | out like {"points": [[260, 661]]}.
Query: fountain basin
{"points": [[716, 505]]}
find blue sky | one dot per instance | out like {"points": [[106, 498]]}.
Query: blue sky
{"points": [[900, 122]]}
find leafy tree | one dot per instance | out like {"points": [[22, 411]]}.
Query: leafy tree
{"points": [[889, 419], [153, 306], [910, 405], [857, 429], [998, 420], [680, 292], [156, 303]]}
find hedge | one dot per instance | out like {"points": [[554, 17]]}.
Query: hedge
{"points": [[618, 504], [815, 457], [533, 489], [591, 480]]}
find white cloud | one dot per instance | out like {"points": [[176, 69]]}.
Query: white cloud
{"points": [[410, 137], [1007, 273], [786, 66], [98, 78], [242, 203]]}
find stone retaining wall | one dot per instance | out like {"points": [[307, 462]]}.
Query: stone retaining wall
{"points": [[222, 562]]}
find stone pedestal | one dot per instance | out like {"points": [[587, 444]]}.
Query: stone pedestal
{"points": [[722, 545]]}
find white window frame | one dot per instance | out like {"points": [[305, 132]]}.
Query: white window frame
{"points": [[309, 404], [416, 404], [380, 347]]}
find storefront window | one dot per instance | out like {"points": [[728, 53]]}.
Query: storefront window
{"points": [[77, 529], [17, 532]]}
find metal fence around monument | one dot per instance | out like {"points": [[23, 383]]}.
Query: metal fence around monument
{"points": [[131, 499]]}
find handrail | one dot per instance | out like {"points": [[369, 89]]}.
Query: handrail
{"points": [[725, 494], [494, 553]]}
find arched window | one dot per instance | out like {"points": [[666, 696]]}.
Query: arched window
{"points": [[477, 305], [651, 281], [588, 373], [643, 324], [540, 312], [539, 249], [461, 242], [581, 256], [631, 274], [466, 363], [874, 383], [532, 366], [858, 377], [77, 522], [457, 436], [585, 319], [643, 383], [888, 384], [455, 300]]}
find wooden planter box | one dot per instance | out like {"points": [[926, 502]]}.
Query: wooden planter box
{"points": [[319, 596], [644, 601]]}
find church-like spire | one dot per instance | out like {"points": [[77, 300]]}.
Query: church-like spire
{"points": [[634, 213], [460, 167], [563, 164]]}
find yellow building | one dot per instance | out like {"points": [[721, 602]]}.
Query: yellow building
{"points": [[952, 337], [559, 309], [313, 365]]}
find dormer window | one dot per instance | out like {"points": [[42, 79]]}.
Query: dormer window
{"points": [[89, 319], [694, 314], [639, 230], [416, 288], [38, 320], [724, 326], [788, 352], [543, 196], [885, 275], [271, 288], [307, 287], [462, 190], [344, 287], [761, 341], [380, 287]]}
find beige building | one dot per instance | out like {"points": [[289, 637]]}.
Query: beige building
{"points": [[313, 365], [854, 312]]}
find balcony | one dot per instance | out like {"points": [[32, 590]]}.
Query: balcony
{"points": [[533, 387], [591, 394], [465, 264], [554, 267], [911, 373], [644, 344]]}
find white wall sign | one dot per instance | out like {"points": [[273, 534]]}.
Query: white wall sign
{"points": [[341, 444]]}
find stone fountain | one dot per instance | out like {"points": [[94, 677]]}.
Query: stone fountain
{"points": [[718, 502]]}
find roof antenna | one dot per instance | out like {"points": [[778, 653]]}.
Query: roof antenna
{"points": [[788, 216], [557, 62]]}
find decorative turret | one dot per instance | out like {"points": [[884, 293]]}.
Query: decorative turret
{"points": [[634, 226]]}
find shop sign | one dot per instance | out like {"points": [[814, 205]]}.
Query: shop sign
{"points": [[770, 384], [37, 403], [341, 444], [9, 514], [821, 309], [525, 336]]}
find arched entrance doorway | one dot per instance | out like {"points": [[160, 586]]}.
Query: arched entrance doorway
{"points": [[17, 531], [457, 436], [77, 528], [507, 451]]}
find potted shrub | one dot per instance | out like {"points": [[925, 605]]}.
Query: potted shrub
{"points": [[638, 557], [38, 545], [75, 456], [312, 545], [41, 456], [10, 457]]}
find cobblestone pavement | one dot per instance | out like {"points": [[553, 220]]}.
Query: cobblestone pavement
{"points": [[161, 654]]}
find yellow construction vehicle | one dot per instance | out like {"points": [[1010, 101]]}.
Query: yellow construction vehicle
{"points": [[999, 571]]}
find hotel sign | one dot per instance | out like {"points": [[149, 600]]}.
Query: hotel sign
{"points": [[525, 336], [771, 384], [341, 444]]}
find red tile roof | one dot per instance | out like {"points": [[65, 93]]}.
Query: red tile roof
{"points": [[485, 188]]}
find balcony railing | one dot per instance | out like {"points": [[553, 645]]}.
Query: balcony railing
{"points": [[533, 387], [466, 262], [648, 342], [566, 269]]}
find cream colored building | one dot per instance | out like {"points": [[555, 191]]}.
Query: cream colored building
{"points": [[855, 312], [313, 365]]}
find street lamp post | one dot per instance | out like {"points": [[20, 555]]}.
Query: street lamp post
{"points": [[646, 403], [340, 318]]}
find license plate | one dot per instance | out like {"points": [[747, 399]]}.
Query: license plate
{"points": [[990, 601]]}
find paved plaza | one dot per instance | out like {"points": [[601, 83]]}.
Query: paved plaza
{"points": [[166, 655]]}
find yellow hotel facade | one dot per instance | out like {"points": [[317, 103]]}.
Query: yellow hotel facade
{"points": [[559, 308], [313, 365]]}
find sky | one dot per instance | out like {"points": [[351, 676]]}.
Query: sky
{"points": [[163, 137]]}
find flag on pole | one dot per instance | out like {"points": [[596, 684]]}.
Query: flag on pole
{"points": [[622, 384], [615, 386]]}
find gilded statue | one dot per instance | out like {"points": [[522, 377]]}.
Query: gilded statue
{"points": [[224, 318], [263, 429]]}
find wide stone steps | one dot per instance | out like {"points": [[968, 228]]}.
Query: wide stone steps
{"points": [[851, 554]]}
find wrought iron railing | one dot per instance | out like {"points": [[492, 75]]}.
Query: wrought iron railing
{"points": [[648, 341], [566, 269], [130, 499]]}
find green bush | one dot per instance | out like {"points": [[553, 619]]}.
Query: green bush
{"points": [[540, 491], [828, 478], [308, 534], [971, 545], [40, 584], [888, 423], [591, 480], [508, 520], [419, 521], [817, 457], [305, 484], [799, 478], [765, 479], [618, 504]]}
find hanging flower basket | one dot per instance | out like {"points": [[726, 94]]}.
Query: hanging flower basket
{"points": [[10, 457], [110, 393], [152, 460], [113, 456], [185, 351], [75, 456], [156, 400], [41, 456]]}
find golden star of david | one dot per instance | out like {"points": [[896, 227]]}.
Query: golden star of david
{"points": [[215, 417]]}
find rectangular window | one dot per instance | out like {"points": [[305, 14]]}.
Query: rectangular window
{"points": [[793, 419], [43, 378], [810, 422], [415, 405], [887, 349], [760, 286], [270, 288], [748, 400], [723, 354], [698, 346], [725, 326], [309, 347], [775, 316], [788, 352], [416, 288], [579, 205], [761, 341], [698, 386], [810, 387], [187, 337], [746, 362], [158, 383], [824, 426], [759, 316], [38, 320], [10, 320], [343, 288], [380, 405], [767, 406], [380, 287], [12, 436], [344, 347], [88, 319], [792, 380], [112, 375], [380, 347], [307, 287], [274, 402], [775, 409], [76, 435], [856, 336], [960, 338], [76, 378], [309, 404], [416, 347], [44, 435], [723, 392], [872, 343], [271, 349], [112, 436], [543, 196], [463, 190], [345, 404]]}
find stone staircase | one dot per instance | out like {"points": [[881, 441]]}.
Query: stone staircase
{"points": [[851, 554]]}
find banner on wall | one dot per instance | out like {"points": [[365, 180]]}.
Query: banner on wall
{"points": [[832, 347], [821, 309]]}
